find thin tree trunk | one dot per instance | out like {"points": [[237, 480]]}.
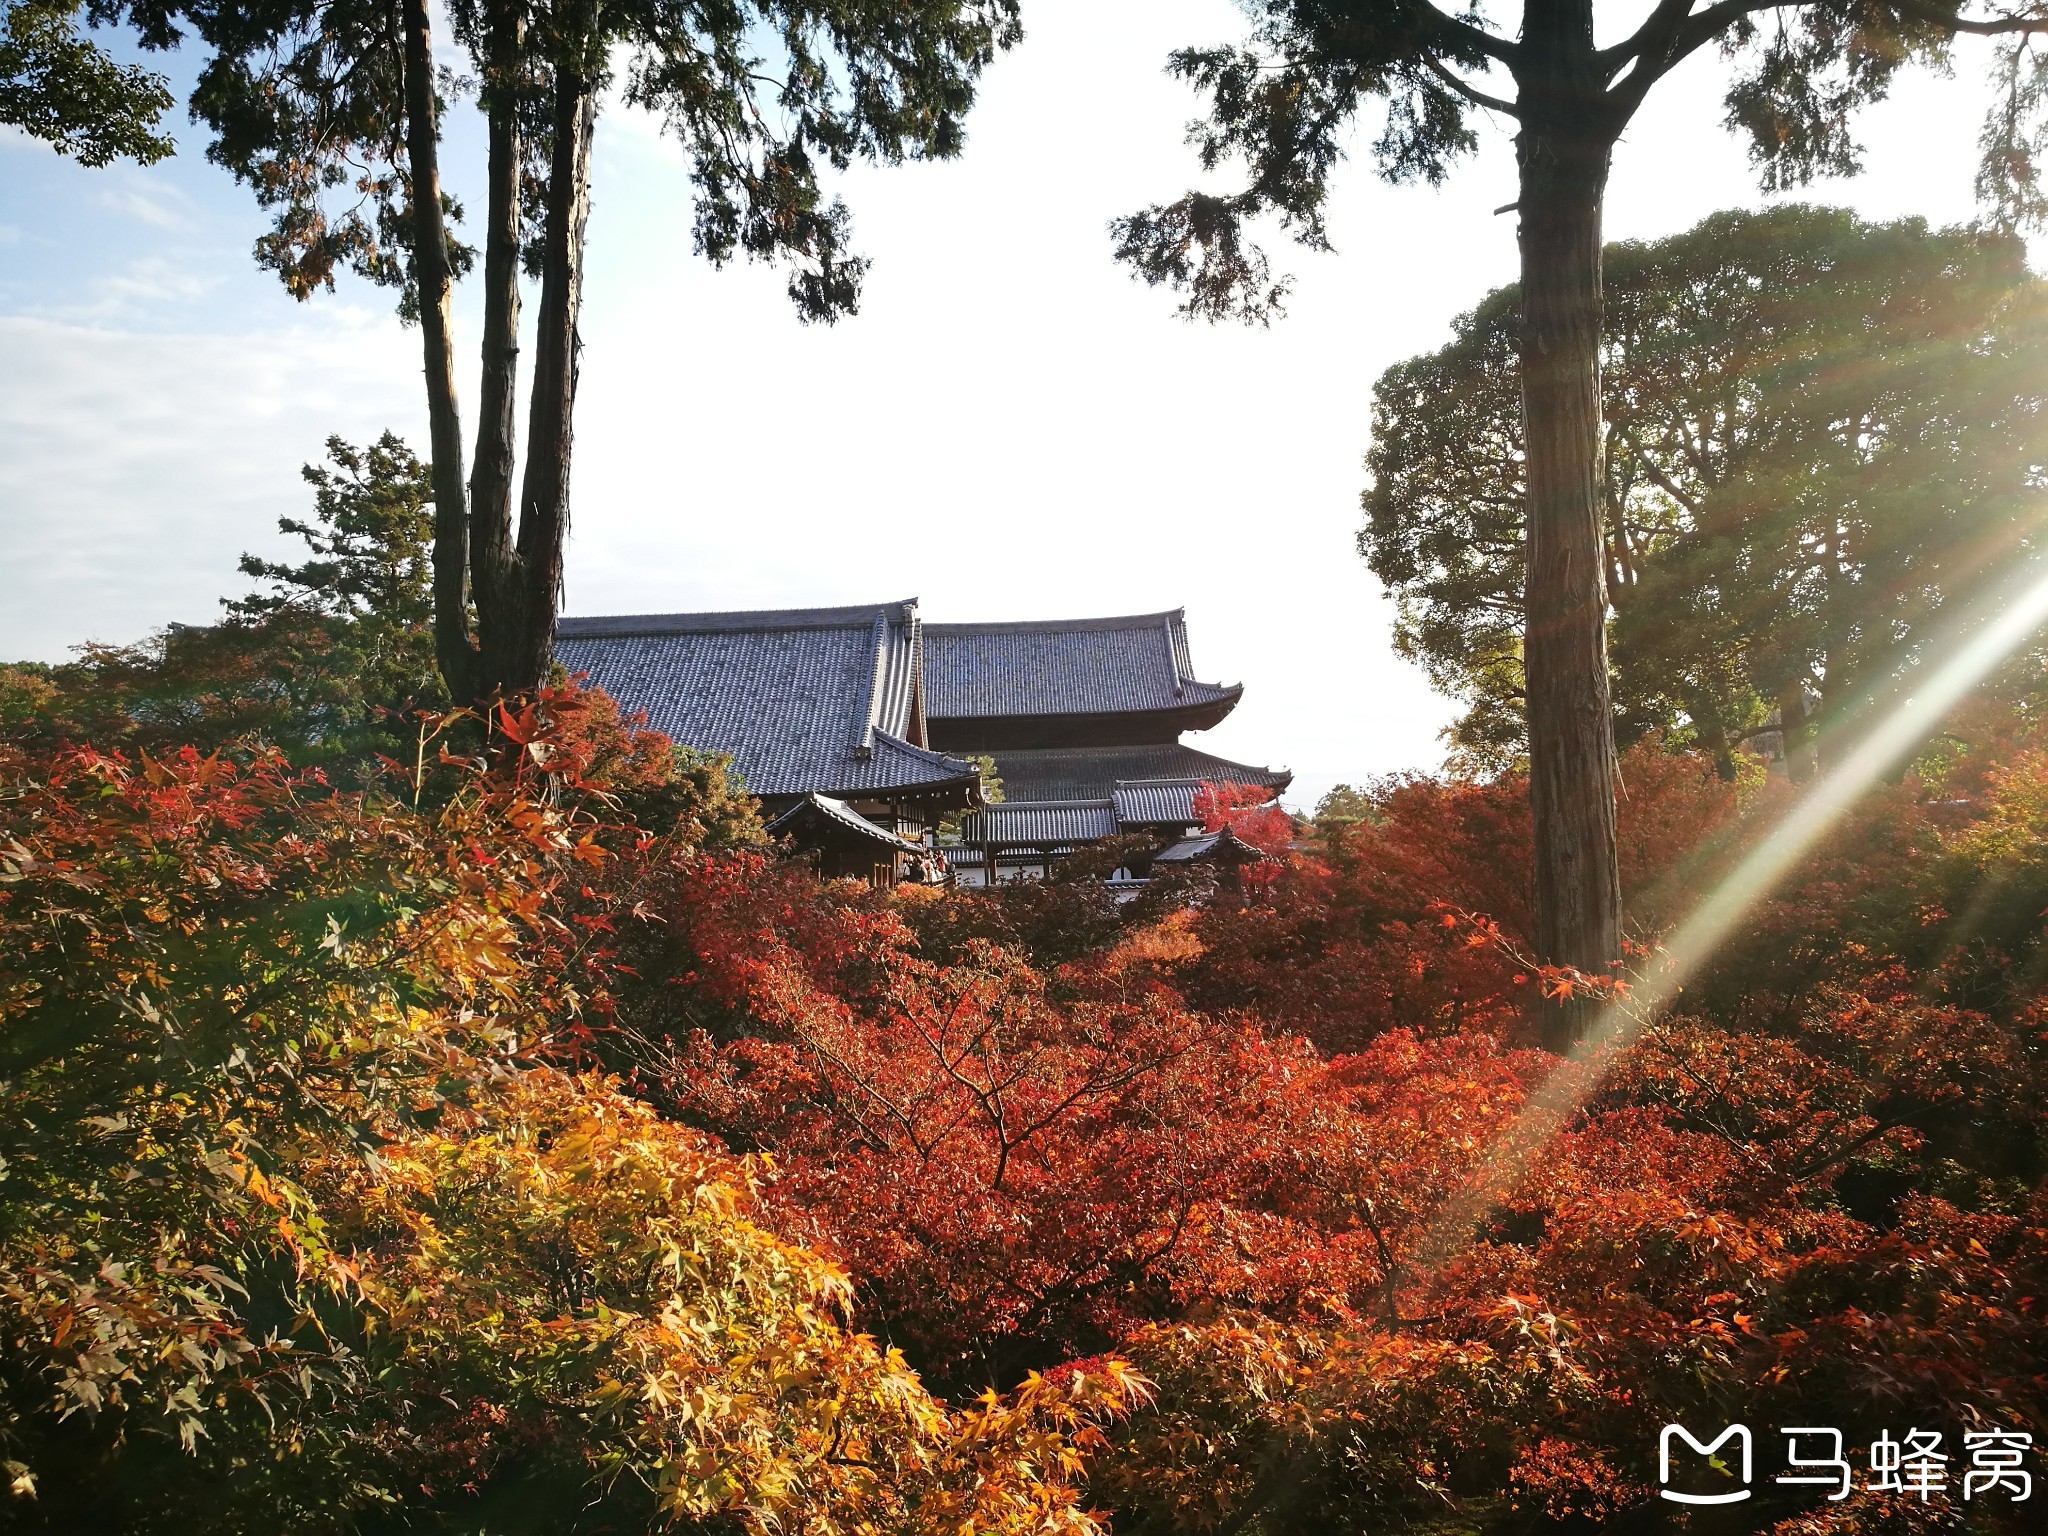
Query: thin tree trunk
{"points": [[1711, 726], [435, 280], [544, 493], [1795, 732], [1563, 150], [494, 576]]}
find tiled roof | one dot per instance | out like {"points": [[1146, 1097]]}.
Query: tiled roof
{"points": [[1156, 802], [1063, 667], [1039, 823], [1223, 847], [1093, 773], [963, 857], [813, 809], [893, 764], [802, 699]]}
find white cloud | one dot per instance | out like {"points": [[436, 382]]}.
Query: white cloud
{"points": [[129, 192], [140, 466]]}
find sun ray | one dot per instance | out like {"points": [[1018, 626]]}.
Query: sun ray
{"points": [[1992, 631]]}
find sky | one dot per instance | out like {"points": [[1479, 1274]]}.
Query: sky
{"points": [[1011, 427]]}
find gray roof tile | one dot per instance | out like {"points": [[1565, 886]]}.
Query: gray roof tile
{"points": [[1063, 667], [1223, 847], [1156, 802], [823, 809], [1041, 823], [802, 699], [1093, 773]]}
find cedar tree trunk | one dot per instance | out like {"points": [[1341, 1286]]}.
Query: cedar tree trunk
{"points": [[517, 654], [513, 587], [1563, 151], [1795, 732], [434, 279], [497, 446]]}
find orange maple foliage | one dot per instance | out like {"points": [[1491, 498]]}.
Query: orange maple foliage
{"points": [[1258, 1147]]}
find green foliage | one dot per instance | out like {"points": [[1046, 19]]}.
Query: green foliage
{"points": [[1343, 805], [1823, 435], [1283, 107], [991, 781], [58, 86], [763, 96], [701, 800], [991, 794], [371, 539]]}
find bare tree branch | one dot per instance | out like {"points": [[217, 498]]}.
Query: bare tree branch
{"points": [[1476, 97], [1450, 27]]}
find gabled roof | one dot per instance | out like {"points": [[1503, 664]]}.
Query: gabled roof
{"points": [[1093, 773], [822, 813], [1066, 667], [1222, 847], [1144, 807], [803, 699]]}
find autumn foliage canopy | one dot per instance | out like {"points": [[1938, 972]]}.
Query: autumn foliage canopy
{"points": [[509, 1138]]}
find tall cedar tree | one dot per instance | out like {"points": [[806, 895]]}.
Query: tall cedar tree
{"points": [[1823, 436], [331, 110], [1280, 103]]}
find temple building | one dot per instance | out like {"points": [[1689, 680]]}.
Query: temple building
{"points": [[858, 727]]}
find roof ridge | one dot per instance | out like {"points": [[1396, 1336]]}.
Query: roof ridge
{"points": [[864, 743], [1097, 802], [1043, 626], [1203, 693], [851, 616]]}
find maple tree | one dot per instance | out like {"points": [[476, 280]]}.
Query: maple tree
{"points": [[1825, 1169], [1248, 810], [303, 1229], [1018, 1167], [1744, 1226], [514, 1127]]}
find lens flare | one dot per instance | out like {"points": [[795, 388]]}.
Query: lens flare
{"points": [[1995, 629]]}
